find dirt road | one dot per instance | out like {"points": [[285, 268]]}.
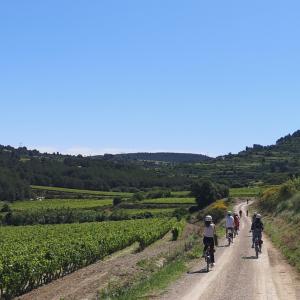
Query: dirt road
{"points": [[239, 275]]}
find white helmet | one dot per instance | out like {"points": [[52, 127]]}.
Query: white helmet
{"points": [[258, 216], [229, 213], [208, 218]]}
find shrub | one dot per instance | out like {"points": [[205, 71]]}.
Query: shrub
{"points": [[6, 208], [216, 210], [117, 201], [177, 230], [179, 213]]}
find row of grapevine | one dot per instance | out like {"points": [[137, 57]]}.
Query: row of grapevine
{"points": [[34, 255]]}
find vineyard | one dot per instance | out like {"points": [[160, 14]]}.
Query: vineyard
{"points": [[170, 200], [34, 255], [60, 203], [82, 192]]}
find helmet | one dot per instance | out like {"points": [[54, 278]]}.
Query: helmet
{"points": [[229, 213], [258, 216], [208, 218]]}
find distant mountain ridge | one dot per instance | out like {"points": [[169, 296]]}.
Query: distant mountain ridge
{"points": [[169, 157]]}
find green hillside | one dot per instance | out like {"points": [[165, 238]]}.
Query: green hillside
{"points": [[255, 166]]}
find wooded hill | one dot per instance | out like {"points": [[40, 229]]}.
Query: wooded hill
{"points": [[258, 164], [255, 165], [163, 157]]}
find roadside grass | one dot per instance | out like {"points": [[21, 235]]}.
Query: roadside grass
{"points": [[285, 237], [254, 191], [156, 273], [280, 206], [156, 282]]}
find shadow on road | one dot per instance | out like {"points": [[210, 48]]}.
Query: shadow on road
{"points": [[198, 272], [223, 246], [249, 257]]}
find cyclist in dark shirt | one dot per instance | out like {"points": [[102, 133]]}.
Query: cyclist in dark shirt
{"points": [[257, 228]]}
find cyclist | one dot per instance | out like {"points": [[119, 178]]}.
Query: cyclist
{"points": [[208, 237], [257, 227], [229, 223], [254, 217], [236, 223]]}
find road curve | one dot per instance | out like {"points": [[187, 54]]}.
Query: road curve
{"points": [[239, 275]]}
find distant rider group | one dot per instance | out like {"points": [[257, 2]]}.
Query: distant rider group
{"points": [[232, 225]]}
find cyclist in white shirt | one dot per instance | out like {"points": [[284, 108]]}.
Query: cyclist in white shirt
{"points": [[229, 222], [208, 237]]}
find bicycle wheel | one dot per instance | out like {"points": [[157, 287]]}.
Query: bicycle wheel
{"points": [[256, 250]]}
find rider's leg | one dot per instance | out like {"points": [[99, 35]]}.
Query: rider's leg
{"points": [[205, 243], [253, 238], [260, 238], [212, 247]]}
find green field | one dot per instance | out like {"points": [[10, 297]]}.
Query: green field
{"points": [[245, 192], [77, 191], [249, 191], [170, 201], [59, 203], [154, 211], [180, 194]]}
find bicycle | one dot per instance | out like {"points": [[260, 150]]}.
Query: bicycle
{"points": [[257, 246], [257, 241], [208, 257], [230, 236]]}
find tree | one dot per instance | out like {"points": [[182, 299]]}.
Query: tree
{"points": [[204, 192], [117, 201]]}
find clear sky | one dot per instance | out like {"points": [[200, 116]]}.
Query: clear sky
{"points": [[154, 75]]}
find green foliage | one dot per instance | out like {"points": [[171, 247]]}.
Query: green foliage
{"points": [[34, 255], [60, 203], [117, 201], [180, 213], [217, 210], [79, 191], [12, 187], [279, 198], [158, 194], [170, 200], [178, 229], [246, 191], [137, 196], [281, 209], [207, 192], [5, 208]]}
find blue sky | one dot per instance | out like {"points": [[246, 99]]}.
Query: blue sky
{"points": [[120, 76]]}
